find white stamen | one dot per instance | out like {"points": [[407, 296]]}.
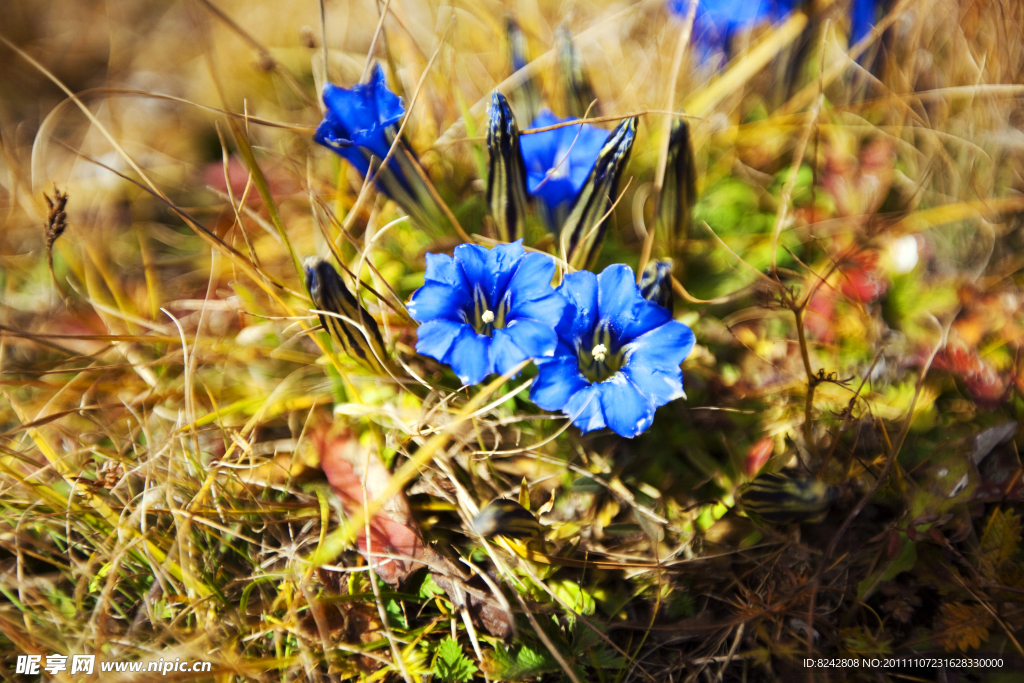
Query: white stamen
{"points": [[487, 317], [600, 352]]}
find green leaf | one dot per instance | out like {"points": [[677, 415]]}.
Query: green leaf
{"points": [[451, 665], [578, 599], [902, 560], [429, 588], [514, 665]]}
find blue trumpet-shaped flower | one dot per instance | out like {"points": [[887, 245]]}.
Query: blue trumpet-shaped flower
{"points": [[618, 355], [357, 119], [862, 18], [486, 311], [716, 21], [559, 161]]}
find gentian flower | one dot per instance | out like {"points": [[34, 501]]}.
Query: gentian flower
{"points": [[618, 355], [557, 161], [862, 18], [360, 125], [717, 21], [486, 311], [357, 119]]}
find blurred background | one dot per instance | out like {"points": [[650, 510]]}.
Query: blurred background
{"points": [[851, 270]]}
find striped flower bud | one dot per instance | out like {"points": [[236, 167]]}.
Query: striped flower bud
{"points": [[575, 83], [656, 282], [506, 180], [783, 499], [526, 96], [507, 518], [348, 323], [678, 192], [584, 229]]}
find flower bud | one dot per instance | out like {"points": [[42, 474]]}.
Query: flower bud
{"points": [[348, 323], [508, 518], [656, 282], [506, 180], [783, 499], [678, 192], [575, 83], [526, 96], [584, 229]]}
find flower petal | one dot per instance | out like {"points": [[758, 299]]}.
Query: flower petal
{"points": [[585, 409], [442, 268], [503, 261], [351, 109], [658, 385], [617, 294], [331, 134], [373, 140], [547, 309], [625, 409], [557, 381], [530, 294], [435, 338], [645, 316], [532, 279], [559, 161], [664, 347], [580, 290], [505, 353], [390, 108], [470, 356], [521, 340], [434, 300], [472, 258]]}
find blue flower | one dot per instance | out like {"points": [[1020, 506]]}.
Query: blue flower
{"points": [[557, 161], [717, 21], [486, 311], [862, 18], [618, 355], [357, 119]]}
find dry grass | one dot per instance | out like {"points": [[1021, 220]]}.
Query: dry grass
{"points": [[166, 399]]}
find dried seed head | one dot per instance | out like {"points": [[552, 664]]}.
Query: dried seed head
{"points": [[56, 219], [307, 37]]}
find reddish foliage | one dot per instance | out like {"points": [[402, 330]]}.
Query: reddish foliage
{"points": [[758, 455], [819, 317], [392, 530], [861, 282], [238, 175], [397, 545], [983, 383]]}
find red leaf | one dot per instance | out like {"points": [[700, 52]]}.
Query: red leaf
{"points": [[396, 547], [759, 454]]}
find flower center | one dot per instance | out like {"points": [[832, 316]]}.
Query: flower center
{"points": [[603, 359], [485, 318]]}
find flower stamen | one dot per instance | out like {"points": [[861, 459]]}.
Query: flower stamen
{"points": [[599, 352], [487, 317]]}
